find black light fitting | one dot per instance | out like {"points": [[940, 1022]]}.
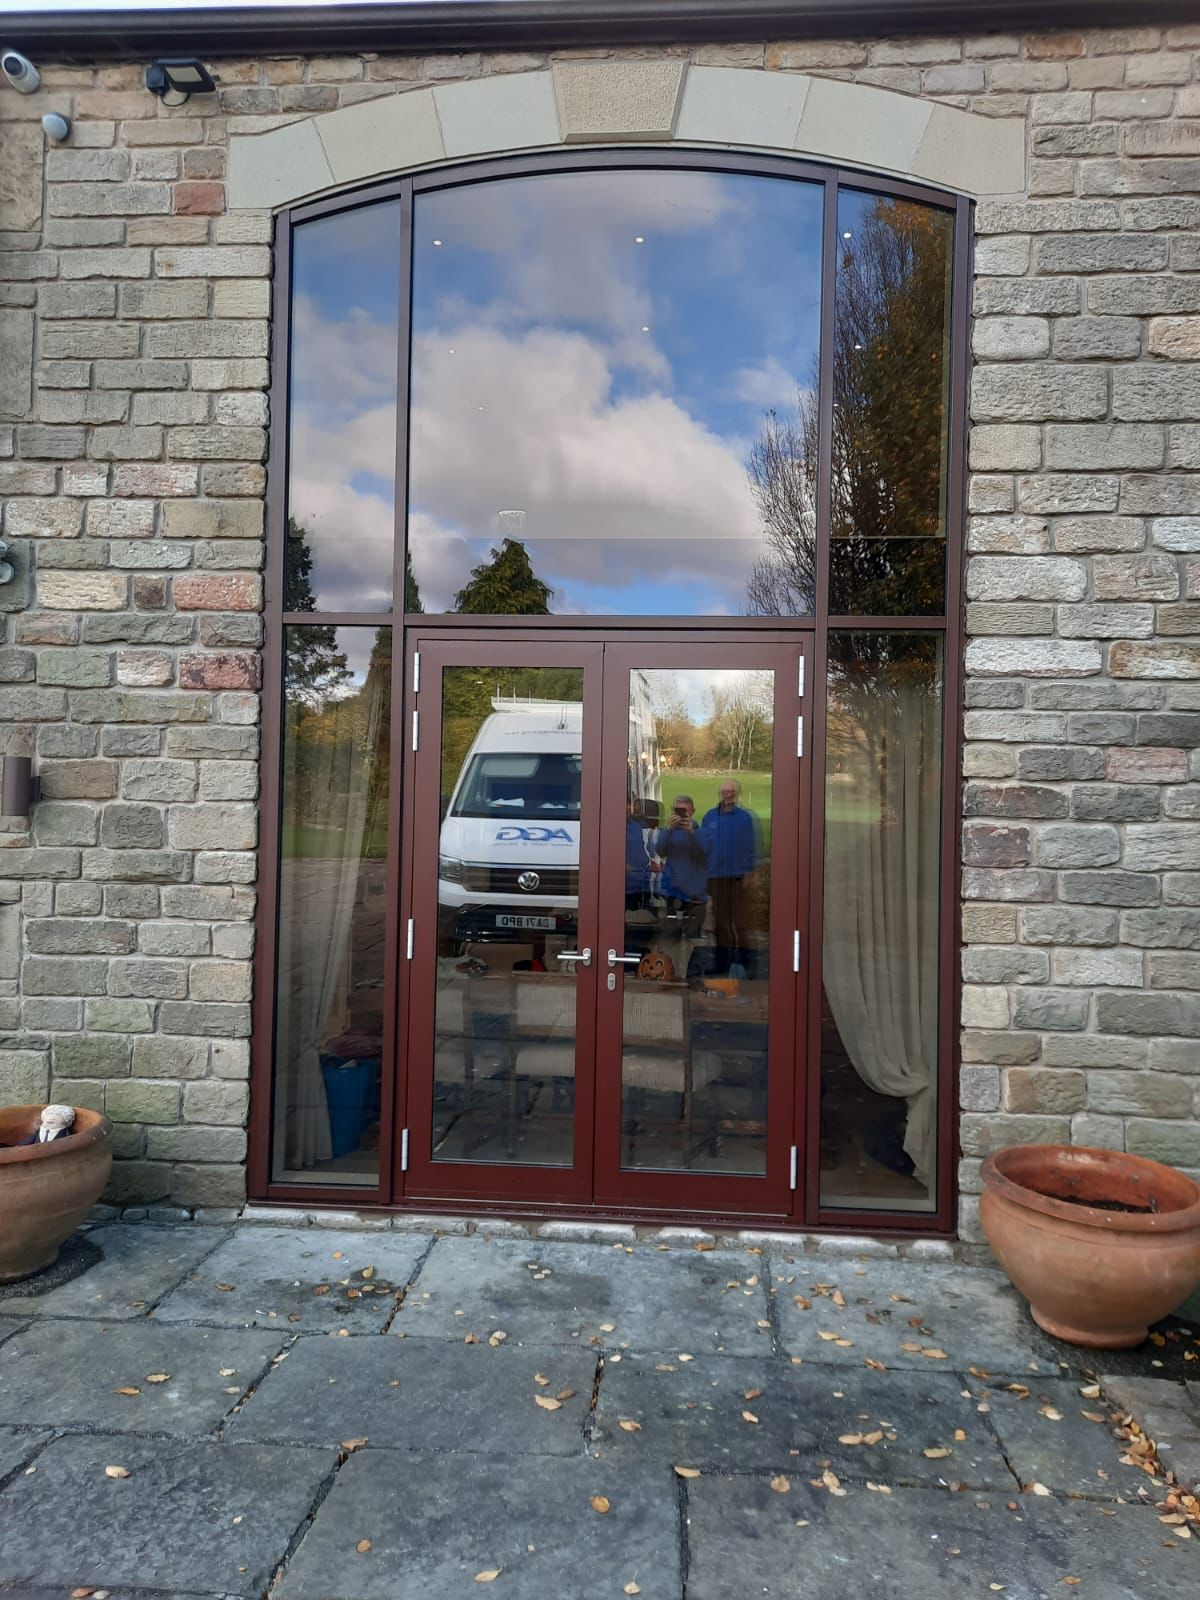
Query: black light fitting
{"points": [[182, 75]]}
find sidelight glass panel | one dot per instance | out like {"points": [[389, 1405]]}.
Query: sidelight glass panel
{"points": [[697, 912], [610, 373], [332, 905], [879, 1022], [342, 440], [513, 801], [891, 367]]}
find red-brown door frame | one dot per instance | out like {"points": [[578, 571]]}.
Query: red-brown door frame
{"points": [[716, 1193], [420, 1175]]}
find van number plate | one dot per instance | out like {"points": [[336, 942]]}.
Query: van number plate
{"points": [[507, 920]]}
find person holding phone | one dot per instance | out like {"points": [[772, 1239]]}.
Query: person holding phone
{"points": [[684, 853]]}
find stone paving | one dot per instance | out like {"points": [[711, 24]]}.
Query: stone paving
{"points": [[327, 1414]]}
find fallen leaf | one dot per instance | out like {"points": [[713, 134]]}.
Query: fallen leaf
{"points": [[363, 1546], [540, 1379], [368, 1272], [781, 1485], [801, 1302], [565, 1394], [226, 1372], [600, 1504], [832, 1482], [850, 1438], [1051, 1413], [633, 1588], [630, 1426], [1036, 1488], [321, 1288], [497, 1338], [158, 1377], [81, 1594], [687, 1472], [488, 1575], [875, 1366], [338, 1254], [748, 1416], [225, 1288], [116, 1472], [353, 1444], [960, 1434], [936, 1452], [828, 1337], [1091, 1392], [546, 1403], [751, 1394], [933, 1354], [125, 1389], [1094, 1416], [608, 1327]]}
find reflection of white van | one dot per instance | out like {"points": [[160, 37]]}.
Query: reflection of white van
{"points": [[508, 856]]}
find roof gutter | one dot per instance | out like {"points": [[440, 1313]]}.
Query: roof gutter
{"points": [[446, 25]]}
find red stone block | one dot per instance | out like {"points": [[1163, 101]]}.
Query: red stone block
{"points": [[205, 591], [1146, 764], [199, 199], [225, 669]]}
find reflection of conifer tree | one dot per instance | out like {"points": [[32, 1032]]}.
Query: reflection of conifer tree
{"points": [[412, 594], [506, 585], [889, 373], [315, 666]]}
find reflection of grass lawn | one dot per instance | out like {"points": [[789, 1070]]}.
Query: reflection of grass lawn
{"points": [[844, 804], [309, 842], [703, 786]]}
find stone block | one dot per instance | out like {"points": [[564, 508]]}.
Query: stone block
{"points": [[131, 826], [1025, 578], [59, 823], [601, 101], [24, 1077], [217, 1102], [1147, 1015], [1054, 394], [92, 1057], [118, 1016], [212, 826], [82, 591], [1161, 847], [1044, 1091], [1075, 845], [1115, 802], [137, 1100], [202, 1019], [193, 1142], [512, 112], [736, 107], [1176, 1143], [1048, 658]]}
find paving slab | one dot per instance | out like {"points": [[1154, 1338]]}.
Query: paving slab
{"points": [[756, 1416], [552, 1293], [70, 1374], [138, 1265], [304, 1280], [745, 1539], [906, 1316], [169, 1525], [437, 1521], [1053, 1435], [423, 1394], [16, 1447]]}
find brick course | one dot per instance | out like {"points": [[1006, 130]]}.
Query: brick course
{"points": [[133, 348]]}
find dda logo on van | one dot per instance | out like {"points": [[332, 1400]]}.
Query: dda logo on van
{"points": [[517, 835]]}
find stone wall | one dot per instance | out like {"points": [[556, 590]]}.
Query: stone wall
{"points": [[133, 358]]}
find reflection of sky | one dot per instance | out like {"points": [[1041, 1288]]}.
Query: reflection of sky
{"points": [[695, 690], [606, 391]]}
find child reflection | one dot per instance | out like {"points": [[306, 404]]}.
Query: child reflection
{"points": [[732, 836]]}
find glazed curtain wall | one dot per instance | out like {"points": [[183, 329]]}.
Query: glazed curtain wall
{"points": [[655, 387]]}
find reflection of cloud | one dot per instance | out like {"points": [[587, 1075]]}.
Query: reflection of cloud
{"points": [[769, 385]]}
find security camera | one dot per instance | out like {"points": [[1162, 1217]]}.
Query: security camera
{"points": [[19, 71]]}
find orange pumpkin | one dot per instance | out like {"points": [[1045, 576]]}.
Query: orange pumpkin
{"points": [[657, 966]]}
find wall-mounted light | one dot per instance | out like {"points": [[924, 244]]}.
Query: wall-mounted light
{"points": [[181, 75], [19, 787], [56, 127]]}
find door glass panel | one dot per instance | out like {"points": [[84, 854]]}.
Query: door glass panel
{"points": [[891, 374], [332, 905], [342, 455], [879, 1023], [607, 369], [513, 801], [697, 903]]}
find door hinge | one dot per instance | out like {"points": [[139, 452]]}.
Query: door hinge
{"points": [[404, 1153], [416, 728], [800, 684], [417, 672], [795, 949], [795, 1164], [799, 736], [409, 949]]}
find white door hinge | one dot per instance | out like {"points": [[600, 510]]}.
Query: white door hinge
{"points": [[799, 736], [795, 949], [410, 940], [795, 1165], [417, 672], [416, 728], [800, 685], [404, 1152]]}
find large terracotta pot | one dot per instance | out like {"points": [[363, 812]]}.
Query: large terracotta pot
{"points": [[46, 1190], [1093, 1275]]}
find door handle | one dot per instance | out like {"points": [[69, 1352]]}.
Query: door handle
{"points": [[629, 961], [584, 957]]}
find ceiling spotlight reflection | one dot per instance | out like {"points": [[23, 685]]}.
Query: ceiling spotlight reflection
{"points": [[638, 239]]}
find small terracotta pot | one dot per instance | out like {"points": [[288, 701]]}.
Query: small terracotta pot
{"points": [[46, 1190], [1093, 1276]]}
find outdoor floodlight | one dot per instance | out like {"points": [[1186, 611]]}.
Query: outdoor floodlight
{"points": [[184, 75]]}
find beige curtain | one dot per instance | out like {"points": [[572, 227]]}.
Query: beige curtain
{"points": [[319, 894], [881, 901]]}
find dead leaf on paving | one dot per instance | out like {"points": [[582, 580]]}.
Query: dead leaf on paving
{"points": [[116, 1472], [546, 1403], [751, 1394], [497, 1338], [850, 1438], [633, 1588], [321, 1288], [225, 1288], [1051, 1413], [687, 1472], [630, 1426], [353, 1444], [158, 1377], [875, 1366], [363, 1546], [801, 1302], [488, 1575], [368, 1272], [541, 1379], [226, 1372], [936, 1452], [832, 1482], [748, 1416], [127, 1389], [600, 1504], [781, 1485], [565, 1394]]}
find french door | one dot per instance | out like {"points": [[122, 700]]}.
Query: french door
{"points": [[606, 938]]}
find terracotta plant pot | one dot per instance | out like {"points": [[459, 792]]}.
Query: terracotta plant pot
{"points": [[1094, 1274], [46, 1190]]}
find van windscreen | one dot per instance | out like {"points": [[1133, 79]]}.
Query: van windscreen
{"points": [[535, 785]]}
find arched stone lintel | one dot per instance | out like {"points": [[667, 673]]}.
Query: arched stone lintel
{"points": [[614, 102]]}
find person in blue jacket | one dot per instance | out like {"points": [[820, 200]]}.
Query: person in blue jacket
{"points": [[684, 853], [733, 840]]}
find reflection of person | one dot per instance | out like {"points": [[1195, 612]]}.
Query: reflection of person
{"points": [[684, 852], [733, 841], [637, 862]]}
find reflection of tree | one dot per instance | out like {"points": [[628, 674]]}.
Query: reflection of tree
{"points": [[889, 367], [412, 594], [741, 720], [884, 687], [506, 585], [316, 668], [467, 694]]}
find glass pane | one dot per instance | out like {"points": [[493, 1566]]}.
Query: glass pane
{"points": [[342, 442], [890, 397], [332, 905], [512, 804], [879, 1021], [603, 363], [697, 910]]}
